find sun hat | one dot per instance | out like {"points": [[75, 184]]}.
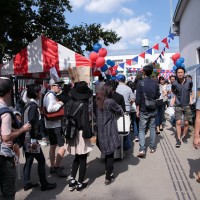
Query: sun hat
{"points": [[81, 91]]}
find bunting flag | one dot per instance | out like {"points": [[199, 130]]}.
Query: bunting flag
{"points": [[149, 51], [121, 65], [156, 47], [129, 62], [171, 35], [135, 59], [142, 55], [160, 56], [162, 53], [165, 42]]}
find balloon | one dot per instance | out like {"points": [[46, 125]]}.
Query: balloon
{"points": [[178, 63], [174, 67], [104, 68], [177, 55], [112, 64], [96, 47], [108, 62], [173, 58], [117, 72], [96, 73], [181, 59], [102, 52], [113, 73], [93, 56], [183, 65], [113, 78], [100, 62]]}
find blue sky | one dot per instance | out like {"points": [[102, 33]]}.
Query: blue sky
{"points": [[133, 20]]}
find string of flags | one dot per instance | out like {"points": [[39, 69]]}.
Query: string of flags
{"points": [[166, 41]]}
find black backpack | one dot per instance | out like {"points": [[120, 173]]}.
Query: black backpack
{"points": [[15, 124], [71, 124]]}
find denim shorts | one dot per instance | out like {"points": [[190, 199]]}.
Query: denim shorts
{"points": [[55, 136], [185, 111]]}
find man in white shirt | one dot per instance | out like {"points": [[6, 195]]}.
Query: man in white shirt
{"points": [[54, 128]]}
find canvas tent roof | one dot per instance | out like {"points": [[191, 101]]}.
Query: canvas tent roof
{"points": [[42, 54]]}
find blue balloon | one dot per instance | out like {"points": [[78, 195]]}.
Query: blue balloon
{"points": [[178, 63], [108, 61], [183, 65], [112, 64], [174, 67], [181, 59], [113, 78], [104, 68], [96, 47]]}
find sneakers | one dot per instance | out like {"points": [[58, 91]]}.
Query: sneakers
{"points": [[136, 139], [43, 143], [184, 140], [48, 186], [178, 143], [29, 186], [141, 154], [82, 186], [72, 185], [110, 180], [152, 150]]}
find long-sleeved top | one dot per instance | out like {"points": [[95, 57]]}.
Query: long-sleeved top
{"points": [[151, 88], [108, 135]]}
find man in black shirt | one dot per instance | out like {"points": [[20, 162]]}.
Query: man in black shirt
{"points": [[147, 116], [182, 89]]}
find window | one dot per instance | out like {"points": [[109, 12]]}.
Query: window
{"points": [[146, 61]]}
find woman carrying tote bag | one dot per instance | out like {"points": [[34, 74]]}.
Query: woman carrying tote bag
{"points": [[107, 112]]}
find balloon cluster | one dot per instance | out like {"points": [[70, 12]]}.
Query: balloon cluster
{"points": [[178, 61], [97, 56]]}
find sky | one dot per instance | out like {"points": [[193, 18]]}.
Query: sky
{"points": [[133, 20]]}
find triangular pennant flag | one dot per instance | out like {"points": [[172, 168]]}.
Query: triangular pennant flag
{"points": [[171, 35], [156, 47], [149, 51], [128, 61], [164, 49], [167, 45], [165, 41], [121, 65], [142, 55], [162, 53], [135, 59], [169, 41], [160, 56]]}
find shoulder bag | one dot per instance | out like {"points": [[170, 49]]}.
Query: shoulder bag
{"points": [[123, 124]]}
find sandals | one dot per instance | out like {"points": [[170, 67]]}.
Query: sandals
{"points": [[198, 177]]}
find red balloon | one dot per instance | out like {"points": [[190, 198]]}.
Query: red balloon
{"points": [[113, 73], [100, 62], [102, 52], [177, 56], [93, 56]]}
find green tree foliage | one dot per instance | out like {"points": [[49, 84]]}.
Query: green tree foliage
{"points": [[21, 21]]}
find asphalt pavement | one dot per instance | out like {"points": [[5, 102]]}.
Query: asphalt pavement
{"points": [[167, 174]]}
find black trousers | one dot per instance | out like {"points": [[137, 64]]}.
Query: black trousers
{"points": [[80, 163], [109, 160]]}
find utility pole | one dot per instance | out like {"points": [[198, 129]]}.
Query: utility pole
{"points": [[171, 16]]}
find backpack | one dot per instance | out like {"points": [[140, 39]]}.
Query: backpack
{"points": [[15, 124], [20, 102], [71, 124]]}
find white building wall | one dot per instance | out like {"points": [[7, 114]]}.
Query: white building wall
{"points": [[189, 38]]}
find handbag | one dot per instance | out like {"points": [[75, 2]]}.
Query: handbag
{"points": [[159, 102], [149, 103], [123, 124], [53, 115]]}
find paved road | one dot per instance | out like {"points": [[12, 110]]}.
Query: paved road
{"points": [[167, 174]]}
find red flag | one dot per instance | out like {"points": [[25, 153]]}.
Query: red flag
{"points": [[156, 47], [128, 61], [162, 53], [165, 42], [142, 55]]}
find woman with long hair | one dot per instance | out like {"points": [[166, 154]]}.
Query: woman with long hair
{"points": [[108, 136]]}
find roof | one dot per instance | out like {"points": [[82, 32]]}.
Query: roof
{"points": [[181, 5]]}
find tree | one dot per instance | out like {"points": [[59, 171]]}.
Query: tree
{"points": [[21, 21]]}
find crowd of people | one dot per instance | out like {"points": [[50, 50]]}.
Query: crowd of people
{"points": [[145, 100]]}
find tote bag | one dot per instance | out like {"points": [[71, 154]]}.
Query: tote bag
{"points": [[123, 124]]}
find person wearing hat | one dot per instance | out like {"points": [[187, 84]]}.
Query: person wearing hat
{"points": [[80, 146], [7, 135], [53, 128]]}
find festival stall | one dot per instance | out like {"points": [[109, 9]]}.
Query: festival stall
{"points": [[41, 55]]}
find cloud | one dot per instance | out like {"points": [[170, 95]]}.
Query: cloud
{"points": [[78, 3], [132, 31], [126, 11], [149, 14]]}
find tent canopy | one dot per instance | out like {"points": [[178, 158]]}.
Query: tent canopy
{"points": [[41, 55]]}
